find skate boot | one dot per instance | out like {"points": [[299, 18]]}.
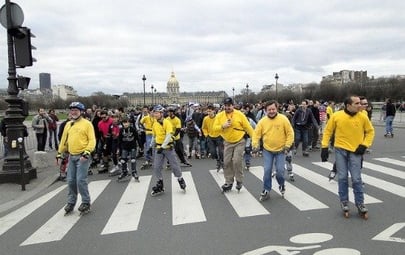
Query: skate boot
{"points": [[135, 175], [281, 188], [89, 172], [291, 176], [226, 187], [84, 208], [363, 211], [157, 189], [238, 186], [103, 168], [264, 196], [345, 208], [115, 171], [182, 183], [185, 163], [146, 165], [123, 176], [332, 175], [69, 208]]}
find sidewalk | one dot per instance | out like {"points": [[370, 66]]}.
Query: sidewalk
{"points": [[11, 194]]}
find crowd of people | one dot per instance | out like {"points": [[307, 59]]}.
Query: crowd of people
{"points": [[230, 134]]}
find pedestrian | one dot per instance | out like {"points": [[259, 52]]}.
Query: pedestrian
{"points": [[127, 142], [278, 136], [53, 126], [353, 133], [40, 126], [193, 133], [104, 145], [79, 141], [303, 121], [163, 142], [214, 138], [3, 131], [389, 118], [233, 126]]}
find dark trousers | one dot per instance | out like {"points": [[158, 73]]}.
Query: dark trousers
{"points": [[41, 140]]}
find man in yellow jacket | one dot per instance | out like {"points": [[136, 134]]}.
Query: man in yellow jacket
{"points": [[215, 141], [233, 125], [354, 133], [78, 139], [278, 136]]}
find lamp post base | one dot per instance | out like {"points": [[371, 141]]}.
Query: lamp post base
{"points": [[11, 172]]}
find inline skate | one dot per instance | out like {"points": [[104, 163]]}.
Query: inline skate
{"points": [[157, 189], [182, 183], [69, 208], [363, 211], [84, 208], [226, 187], [264, 196], [239, 186], [345, 208], [281, 188]]}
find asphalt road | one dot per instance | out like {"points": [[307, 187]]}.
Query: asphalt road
{"points": [[125, 219]]}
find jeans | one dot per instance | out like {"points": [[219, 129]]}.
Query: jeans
{"points": [[77, 179], [159, 160], [279, 159], [388, 124], [301, 133], [346, 162], [148, 140], [53, 136], [216, 148]]}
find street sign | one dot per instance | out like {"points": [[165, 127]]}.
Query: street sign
{"points": [[17, 16]]}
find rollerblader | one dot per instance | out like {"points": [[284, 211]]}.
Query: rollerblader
{"points": [[127, 147], [350, 145], [163, 142], [78, 139], [104, 143], [214, 140], [232, 125], [276, 144], [390, 110]]}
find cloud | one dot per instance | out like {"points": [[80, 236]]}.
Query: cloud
{"points": [[210, 45]]}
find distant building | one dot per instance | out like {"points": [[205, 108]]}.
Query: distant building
{"points": [[174, 96], [44, 81], [64, 92], [346, 76]]}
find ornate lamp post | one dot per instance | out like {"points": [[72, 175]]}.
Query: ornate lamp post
{"points": [[17, 167], [144, 79], [233, 94], [156, 99], [247, 92], [276, 77], [151, 87]]}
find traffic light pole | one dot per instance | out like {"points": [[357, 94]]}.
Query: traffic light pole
{"points": [[13, 120]]}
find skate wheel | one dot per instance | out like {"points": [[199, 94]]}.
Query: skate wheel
{"points": [[364, 216], [346, 214]]}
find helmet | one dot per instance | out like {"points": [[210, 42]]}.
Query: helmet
{"points": [[158, 108], [171, 109], [228, 100], [77, 105]]}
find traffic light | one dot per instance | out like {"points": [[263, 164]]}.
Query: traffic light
{"points": [[22, 46], [23, 82]]}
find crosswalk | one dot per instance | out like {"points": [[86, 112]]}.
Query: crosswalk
{"points": [[187, 206]]}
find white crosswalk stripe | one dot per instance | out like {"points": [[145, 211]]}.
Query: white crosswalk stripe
{"points": [[381, 184], [58, 226], [243, 203], [323, 181], [127, 213], [295, 196], [16, 216], [187, 207]]}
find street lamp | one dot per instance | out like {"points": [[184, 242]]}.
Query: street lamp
{"points": [[276, 77], [151, 87], [233, 94], [156, 99], [144, 79], [247, 92]]}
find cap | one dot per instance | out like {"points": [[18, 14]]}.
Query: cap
{"points": [[228, 100]]}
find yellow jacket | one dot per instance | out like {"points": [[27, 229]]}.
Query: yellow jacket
{"points": [[277, 133], [160, 131], [77, 137], [350, 131], [147, 122], [207, 127], [239, 126]]}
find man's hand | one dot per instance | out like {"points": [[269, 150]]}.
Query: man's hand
{"points": [[59, 157], [286, 150], [361, 149], [324, 154]]}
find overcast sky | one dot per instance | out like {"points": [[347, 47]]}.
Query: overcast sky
{"points": [[211, 45]]}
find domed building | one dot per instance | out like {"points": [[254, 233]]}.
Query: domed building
{"points": [[174, 96]]}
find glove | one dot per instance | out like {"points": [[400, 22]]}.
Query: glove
{"points": [[324, 154], [86, 154], [159, 151], [286, 150], [59, 157], [361, 149]]}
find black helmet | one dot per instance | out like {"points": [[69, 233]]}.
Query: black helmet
{"points": [[228, 100]]}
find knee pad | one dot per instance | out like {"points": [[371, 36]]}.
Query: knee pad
{"points": [[122, 161], [133, 160]]}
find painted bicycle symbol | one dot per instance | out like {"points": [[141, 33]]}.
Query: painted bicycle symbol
{"points": [[310, 238]]}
